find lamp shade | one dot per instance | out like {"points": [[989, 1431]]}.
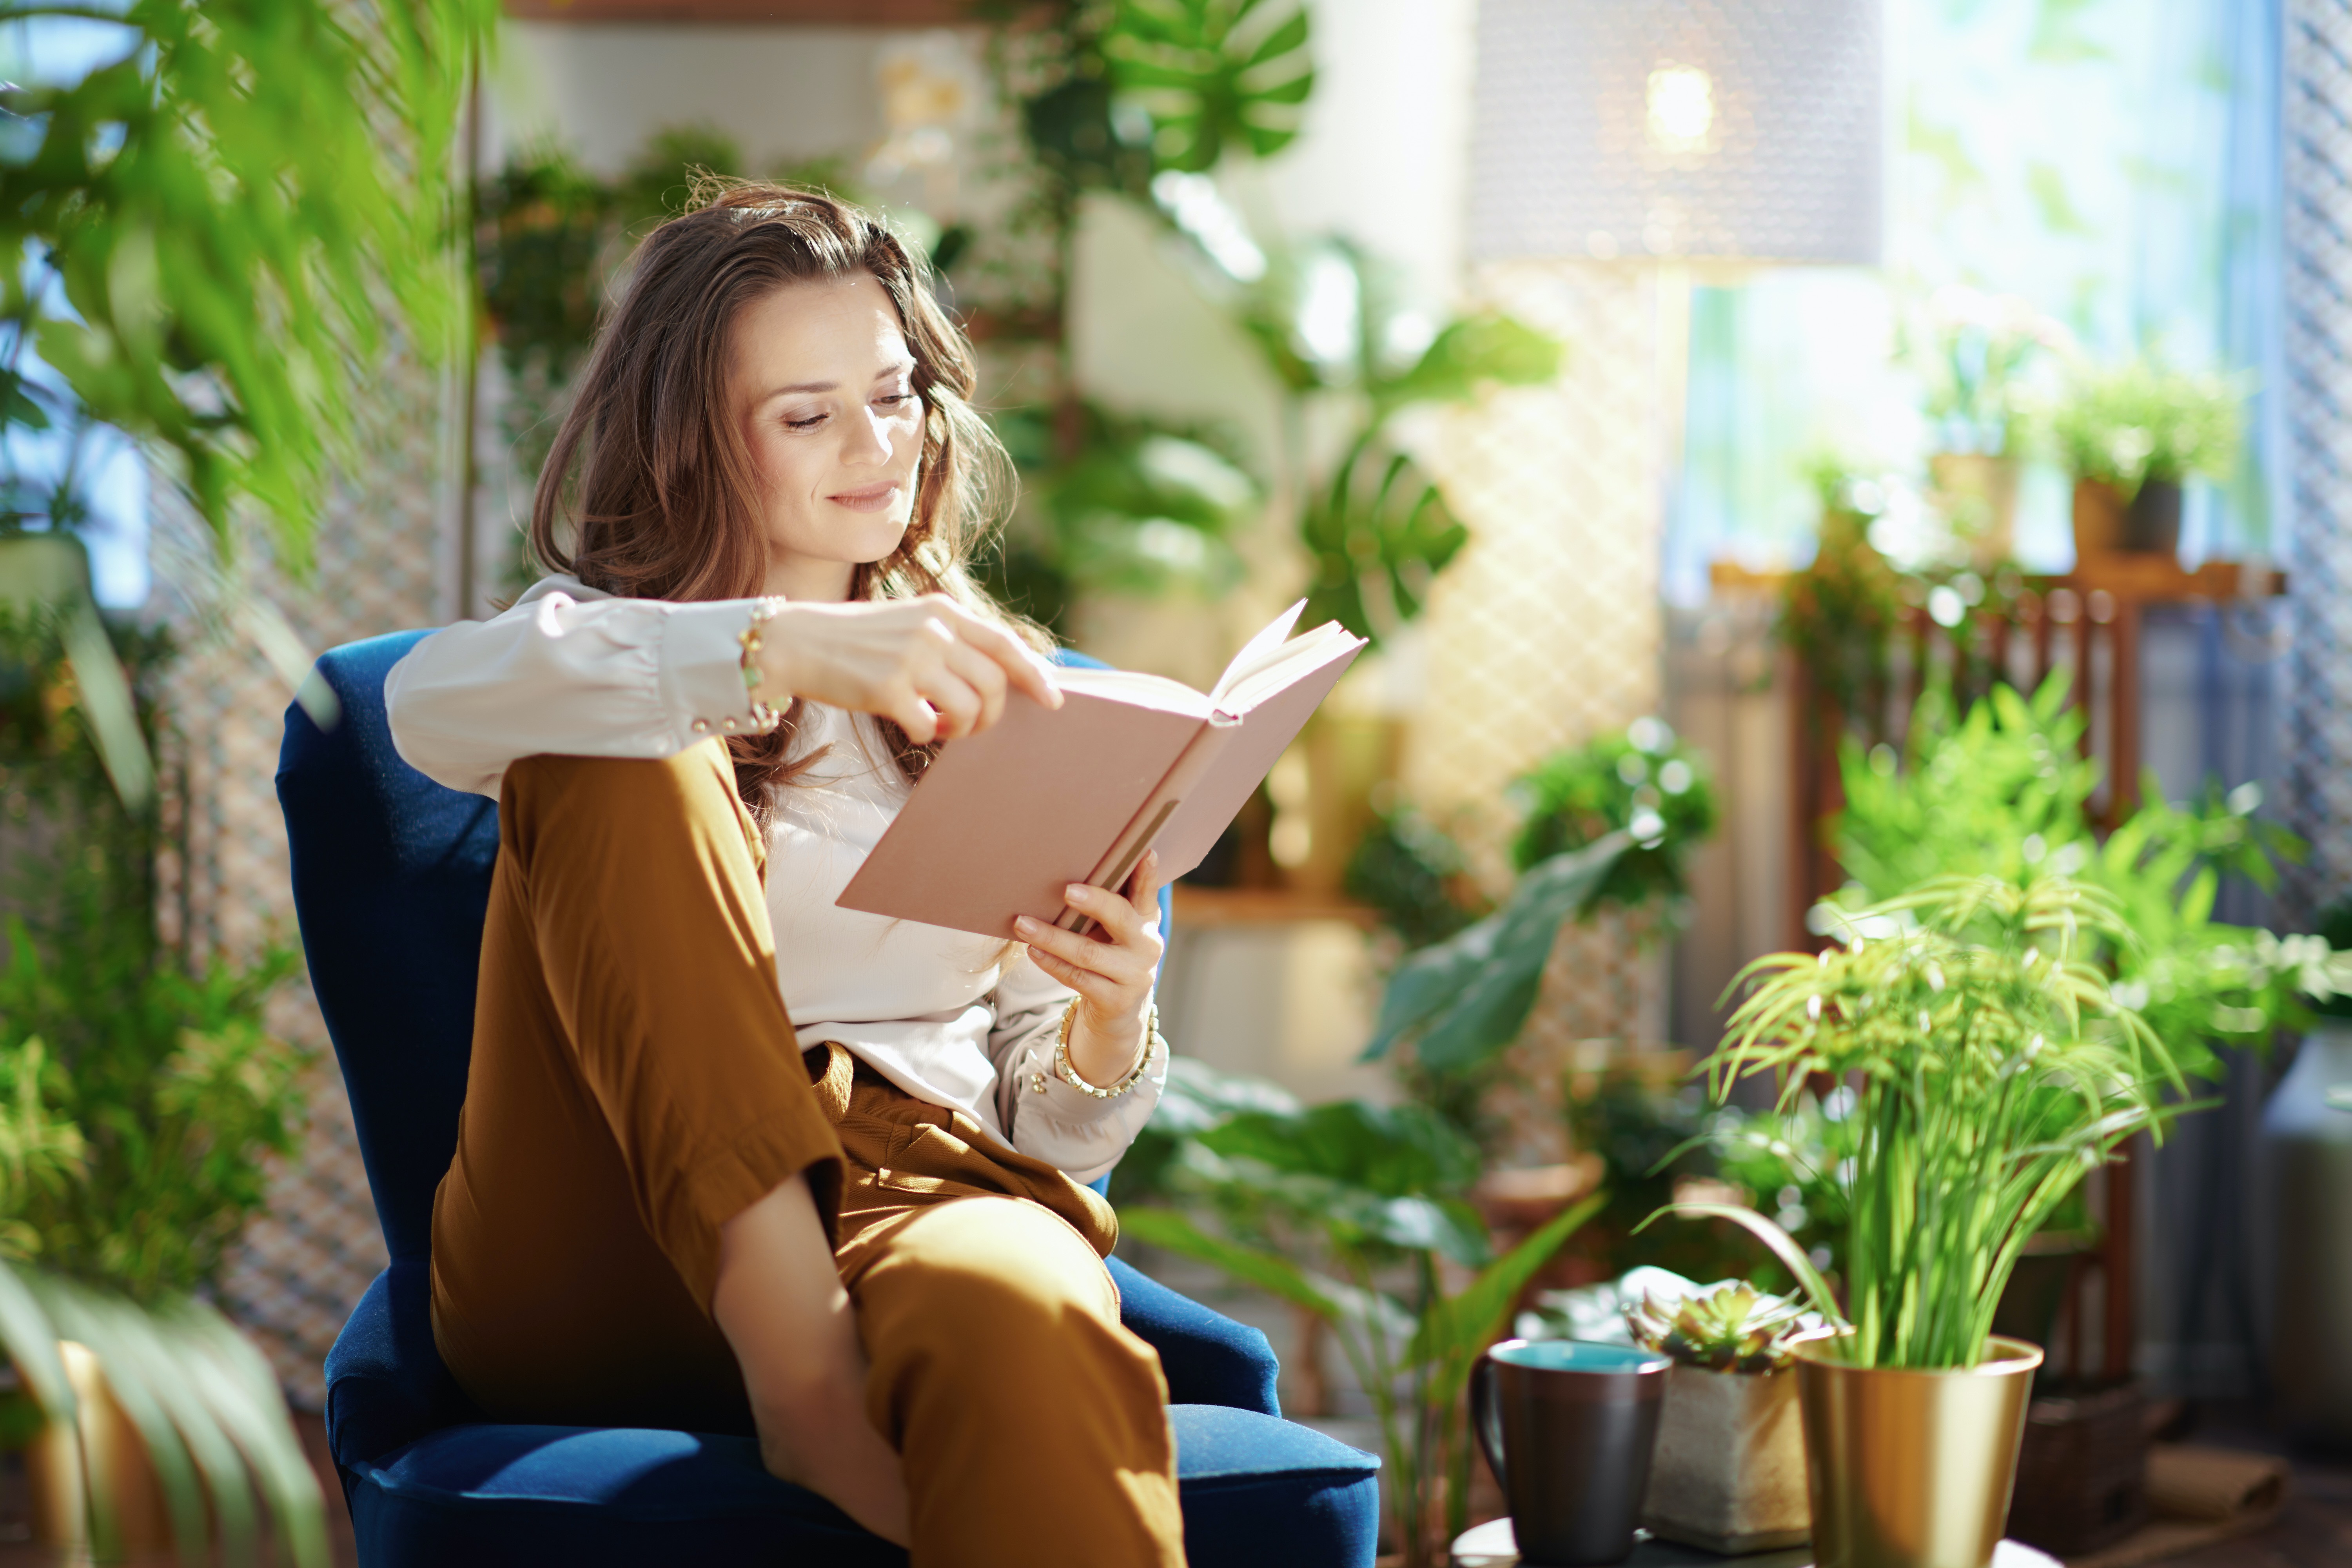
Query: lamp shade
{"points": [[1749, 128]]}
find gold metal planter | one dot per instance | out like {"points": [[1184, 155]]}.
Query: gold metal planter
{"points": [[1911, 1469], [105, 1441]]}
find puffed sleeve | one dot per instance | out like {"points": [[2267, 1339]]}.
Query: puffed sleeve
{"points": [[568, 671], [1041, 1115]]}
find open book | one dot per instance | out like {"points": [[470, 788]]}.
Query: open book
{"points": [[1003, 820]]}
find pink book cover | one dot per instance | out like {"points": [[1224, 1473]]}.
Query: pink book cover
{"points": [[1002, 821]]}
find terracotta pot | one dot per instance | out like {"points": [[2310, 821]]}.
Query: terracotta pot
{"points": [[1729, 1475], [1911, 1469], [1979, 493], [2098, 519], [57, 1504]]}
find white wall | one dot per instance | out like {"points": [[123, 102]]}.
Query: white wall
{"points": [[1384, 158], [601, 88]]}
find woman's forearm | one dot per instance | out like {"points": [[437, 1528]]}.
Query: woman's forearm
{"points": [[781, 1307]]}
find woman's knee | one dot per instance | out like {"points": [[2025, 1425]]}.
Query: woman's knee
{"points": [[622, 805], [990, 1276]]}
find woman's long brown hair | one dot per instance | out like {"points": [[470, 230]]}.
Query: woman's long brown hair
{"points": [[650, 492]]}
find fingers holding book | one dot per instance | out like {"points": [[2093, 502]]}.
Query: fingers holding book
{"points": [[1111, 968], [936, 668]]}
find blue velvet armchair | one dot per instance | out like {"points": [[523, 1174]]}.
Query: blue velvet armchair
{"points": [[392, 876]]}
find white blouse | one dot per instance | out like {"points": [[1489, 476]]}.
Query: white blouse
{"points": [[574, 671]]}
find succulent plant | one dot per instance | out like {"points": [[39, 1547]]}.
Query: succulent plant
{"points": [[1732, 1327]]}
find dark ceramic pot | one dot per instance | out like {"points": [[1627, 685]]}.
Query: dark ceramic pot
{"points": [[1569, 1428], [2152, 522]]}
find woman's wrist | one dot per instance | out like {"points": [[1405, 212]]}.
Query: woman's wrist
{"points": [[776, 658], [1104, 1055]]}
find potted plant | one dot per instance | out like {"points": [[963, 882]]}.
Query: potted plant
{"points": [[1968, 348], [2131, 434], [1992, 1064], [1730, 1472], [1355, 1214]]}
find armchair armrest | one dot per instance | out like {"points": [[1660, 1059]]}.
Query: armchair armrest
{"points": [[387, 1386], [1208, 1359]]}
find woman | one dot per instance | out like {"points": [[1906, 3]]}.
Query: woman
{"points": [[862, 1230]]}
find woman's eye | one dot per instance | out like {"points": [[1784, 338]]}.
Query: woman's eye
{"points": [[811, 423], [897, 397]]}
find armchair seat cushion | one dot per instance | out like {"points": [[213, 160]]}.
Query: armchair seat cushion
{"points": [[1255, 1489]]}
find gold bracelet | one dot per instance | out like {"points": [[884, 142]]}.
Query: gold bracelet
{"points": [[1069, 1074], [763, 717]]}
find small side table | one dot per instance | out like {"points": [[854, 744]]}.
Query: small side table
{"points": [[1490, 1545]]}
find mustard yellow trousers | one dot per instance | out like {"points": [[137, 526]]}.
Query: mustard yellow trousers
{"points": [[635, 1083]]}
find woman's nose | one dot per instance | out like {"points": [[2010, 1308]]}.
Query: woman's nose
{"points": [[870, 439]]}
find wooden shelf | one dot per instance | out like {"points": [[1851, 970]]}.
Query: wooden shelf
{"points": [[2140, 579], [1197, 907], [2156, 579]]}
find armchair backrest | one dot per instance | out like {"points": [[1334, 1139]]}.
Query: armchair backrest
{"points": [[391, 881]]}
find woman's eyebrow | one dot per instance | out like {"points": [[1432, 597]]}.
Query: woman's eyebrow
{"points": [[901, 368]]}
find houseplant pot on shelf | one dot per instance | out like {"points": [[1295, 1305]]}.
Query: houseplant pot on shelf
{"points": [[1991, 1065], [1730, 1472], [2131, 434]]}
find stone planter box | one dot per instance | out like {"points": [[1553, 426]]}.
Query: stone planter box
{"points": [[1729, 1473]]}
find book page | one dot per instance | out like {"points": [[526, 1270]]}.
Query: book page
{"points": [[1307, 651], [1134, 687], [1267, 644]]}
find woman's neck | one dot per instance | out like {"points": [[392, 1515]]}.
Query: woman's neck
{"points": [[809, 581]]}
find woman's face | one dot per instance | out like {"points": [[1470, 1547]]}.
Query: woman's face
{"points": [[823, 397]]}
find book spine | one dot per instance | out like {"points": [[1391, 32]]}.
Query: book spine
{"points": [[1191, 764]]}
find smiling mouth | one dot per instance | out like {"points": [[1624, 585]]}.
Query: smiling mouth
{"points": [[872, 498]]}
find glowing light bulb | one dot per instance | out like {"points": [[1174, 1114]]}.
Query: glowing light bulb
{"points": [[1681, 107]]}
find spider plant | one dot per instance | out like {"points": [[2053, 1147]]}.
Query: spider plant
{"points": [[1992, 1066]]}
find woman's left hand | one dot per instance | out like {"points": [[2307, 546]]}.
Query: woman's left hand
{"points": [[1111, 969]]}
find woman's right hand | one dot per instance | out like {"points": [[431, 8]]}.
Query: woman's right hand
{"points": [[936, 668]]}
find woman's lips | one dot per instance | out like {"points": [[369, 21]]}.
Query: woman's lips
{"points": [[872, 498]]}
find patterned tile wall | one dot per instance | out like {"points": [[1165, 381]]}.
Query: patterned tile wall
{"points": [[382, 564]]}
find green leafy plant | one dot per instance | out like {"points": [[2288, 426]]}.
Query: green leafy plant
{"points": [[1321, 1207], [1143, 506], [213, 221], [1413, 875], [1994, 1065], [1731, 1327], [1457, 1001], [2128, 422], [1211, 74], [2004, 791], [142, 1098], [2333, 927], [1794, 1162], [1652, 1133], [1970, 349], [1644, 782], [1376, 525]]}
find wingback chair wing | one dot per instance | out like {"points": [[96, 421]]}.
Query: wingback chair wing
{"points": [[392, 876]]}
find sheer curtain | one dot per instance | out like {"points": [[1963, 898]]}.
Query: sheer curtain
{"points": [[2116, 163]]}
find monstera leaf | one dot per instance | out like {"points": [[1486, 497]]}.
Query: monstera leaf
{"points": [[1212, 74], [1379, 532], [1470, 354]]}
